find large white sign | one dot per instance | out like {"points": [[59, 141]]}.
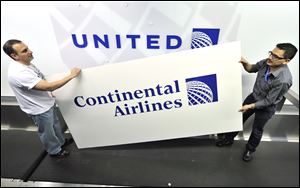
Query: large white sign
{"points": [[188, 93]]}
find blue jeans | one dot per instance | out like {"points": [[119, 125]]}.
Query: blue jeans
{"points": [[49, 130]]}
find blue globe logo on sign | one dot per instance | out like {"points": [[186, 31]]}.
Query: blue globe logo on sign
{"points": [[202, 90], [199, 92], [202, 37]]}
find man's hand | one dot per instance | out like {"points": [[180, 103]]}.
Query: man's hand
{"points": [[75, 72], [243, 61], [247, 66], [247, 107]]}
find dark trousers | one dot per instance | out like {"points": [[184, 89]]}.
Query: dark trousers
{"points": [[261, 118]]}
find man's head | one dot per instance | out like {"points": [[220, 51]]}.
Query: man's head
{"points": [[18, 51], [281, 54]]}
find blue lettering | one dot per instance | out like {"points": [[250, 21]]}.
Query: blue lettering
{"points": [[133, 40], [177, 86], [158, 105], [141, 106], [75, 42], [151, 41], [91, 101], [178, 103], [158, 87], [137, 94], [168, 105], [119, 110], [104, 42], [118, 41], [76, 101], [175, 37]]}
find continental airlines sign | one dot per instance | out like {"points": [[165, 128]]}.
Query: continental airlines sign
{"points": [[182, 94]]}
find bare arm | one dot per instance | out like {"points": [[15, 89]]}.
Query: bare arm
{"points": [[44, 85], [247, 66]]}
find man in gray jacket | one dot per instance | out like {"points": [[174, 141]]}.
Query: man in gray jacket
{"points": [[273, 80]]}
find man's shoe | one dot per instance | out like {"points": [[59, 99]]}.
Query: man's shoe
{"points": [[61, 154], [248, 155], [224, 142], [67, 141]]}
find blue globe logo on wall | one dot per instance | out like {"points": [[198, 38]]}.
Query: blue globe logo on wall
{"points": [[204, 37], [202, 90], [200, 39]]}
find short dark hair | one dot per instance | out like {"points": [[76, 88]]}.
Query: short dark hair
{"points": [[289, 50], [7, 47]]}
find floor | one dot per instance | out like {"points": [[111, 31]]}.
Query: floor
{"points": [[188, 162]]}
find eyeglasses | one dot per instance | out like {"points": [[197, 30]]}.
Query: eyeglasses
{"points": [[274, 56]]}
